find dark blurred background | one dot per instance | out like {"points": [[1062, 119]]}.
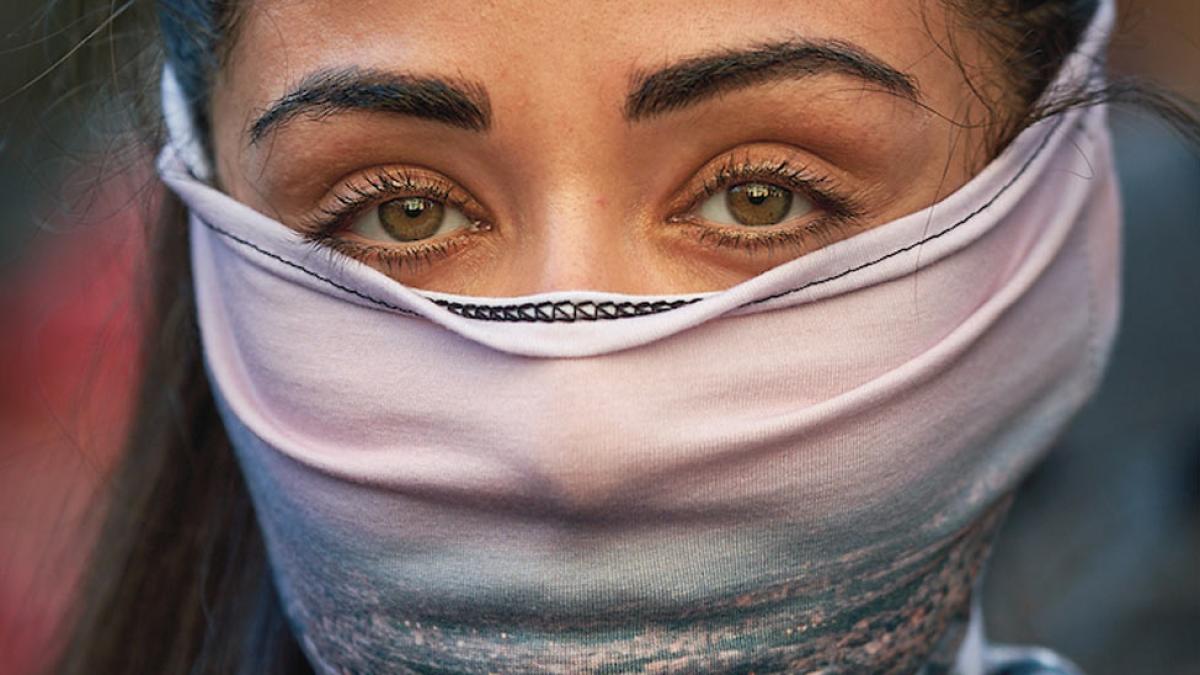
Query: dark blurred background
{"points": [[1100, 558]]}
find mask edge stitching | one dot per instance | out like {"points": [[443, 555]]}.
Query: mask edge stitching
{"points": [[970, 216], [511, 313], [289, 263]]}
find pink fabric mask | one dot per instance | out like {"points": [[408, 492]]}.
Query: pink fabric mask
{"points": [[800, 472]]}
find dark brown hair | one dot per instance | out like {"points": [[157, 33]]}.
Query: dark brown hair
{"points": [[178, 582]]}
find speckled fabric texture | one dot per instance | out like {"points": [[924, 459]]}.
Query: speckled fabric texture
{"points": [[798, 474], [871, 607]]}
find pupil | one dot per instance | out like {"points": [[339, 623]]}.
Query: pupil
{"points": [[758, 204], [413, 208], [411, 218], [757, 194]]}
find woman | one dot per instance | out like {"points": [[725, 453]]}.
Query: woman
{"points": [[603, 337]]}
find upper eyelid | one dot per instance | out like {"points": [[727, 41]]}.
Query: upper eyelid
{"points": [[814, 184], [382, 184], [724, 181], [715, 175]]}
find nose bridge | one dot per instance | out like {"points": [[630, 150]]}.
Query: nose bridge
{"points": [[577, 202], [580, 232], [578, 216]]}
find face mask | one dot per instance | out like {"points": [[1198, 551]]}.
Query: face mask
{"points": [[801, 472]]}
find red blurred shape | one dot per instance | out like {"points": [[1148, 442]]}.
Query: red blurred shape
{"points": [[71, 311]]}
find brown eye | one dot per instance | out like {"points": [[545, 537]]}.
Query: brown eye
{"points": [[754, 205], [758, 203], [411, 218]]}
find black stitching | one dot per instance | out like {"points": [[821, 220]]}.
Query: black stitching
{"points": [[591, 311], [1012, 181], [563, 311], [307, 271], [569, 311]]}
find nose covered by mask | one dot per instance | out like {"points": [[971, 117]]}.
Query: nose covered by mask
{"points": [[801, 472]]}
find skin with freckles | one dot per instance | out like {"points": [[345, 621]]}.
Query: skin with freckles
{"points": [[515, 147]]}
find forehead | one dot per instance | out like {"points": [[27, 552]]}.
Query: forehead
{"points": [[580, 24], [526, 48]]}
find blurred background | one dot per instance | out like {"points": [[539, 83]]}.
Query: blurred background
{"points": [[1100, 558]]}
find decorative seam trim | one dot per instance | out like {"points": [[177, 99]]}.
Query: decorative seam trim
{"points": [[563, 311], [570, 311]]}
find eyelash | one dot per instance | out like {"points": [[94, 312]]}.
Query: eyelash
{"points": [[350, 200], [837, 208], [323, 227]]}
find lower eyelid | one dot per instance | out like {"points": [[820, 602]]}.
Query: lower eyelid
{"points": [[808, 232], [393, 259]]}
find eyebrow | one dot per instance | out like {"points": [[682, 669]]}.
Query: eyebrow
{"points": [[699, 78], [456, 103], [465, 105]]}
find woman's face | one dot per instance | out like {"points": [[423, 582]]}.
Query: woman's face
{"points": [[517, 146]]}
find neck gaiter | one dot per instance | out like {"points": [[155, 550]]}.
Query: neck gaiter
{"points": [[799, 473]]}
